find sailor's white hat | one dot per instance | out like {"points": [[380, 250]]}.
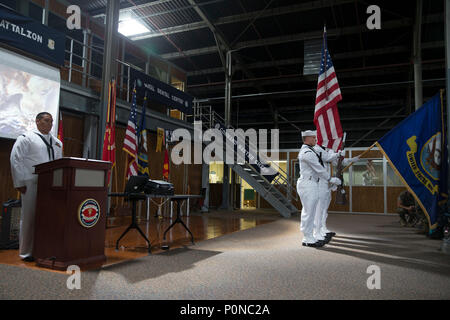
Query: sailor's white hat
{"points": [[309, 133]]}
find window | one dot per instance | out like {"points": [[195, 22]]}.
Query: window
{"points": [[368, 172], [392, 178], [216, 172]]}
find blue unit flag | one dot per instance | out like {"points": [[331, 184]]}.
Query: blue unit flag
{"points": [[417, 151]]}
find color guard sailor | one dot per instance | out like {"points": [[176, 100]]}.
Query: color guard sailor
{"points": [[312, 172]]}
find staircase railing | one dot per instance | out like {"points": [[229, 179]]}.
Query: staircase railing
{"points": [[209, 120]]}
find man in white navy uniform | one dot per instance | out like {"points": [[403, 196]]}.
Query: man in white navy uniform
{"points": [[30, 149], [312, 172], [328, 157]]}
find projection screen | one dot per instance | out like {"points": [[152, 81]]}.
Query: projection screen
{"points": [[27, 87]]}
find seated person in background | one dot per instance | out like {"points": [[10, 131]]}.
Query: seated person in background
{"points": [[406, 208]]}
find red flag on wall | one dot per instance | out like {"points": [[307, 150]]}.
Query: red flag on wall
{"points": [[109, 140], [61, 131], [166, 165]]}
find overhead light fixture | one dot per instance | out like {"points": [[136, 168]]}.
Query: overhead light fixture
{"points": [[132, 27]]}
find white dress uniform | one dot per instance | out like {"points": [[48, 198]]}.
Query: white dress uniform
{"points": [[30, 150], [329, 157], [312, 172], [324, 194]]}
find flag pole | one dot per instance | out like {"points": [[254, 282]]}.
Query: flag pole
{"points": [[125, 176], [367, 150], [117, 186]]}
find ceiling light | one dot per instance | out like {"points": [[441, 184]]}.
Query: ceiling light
{"points": [[131, 27]]}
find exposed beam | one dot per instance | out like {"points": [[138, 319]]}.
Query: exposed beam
{"points": [[392, 24], [296, 78], [381, 124], [336, 56], [377, 128], [383, 117], [298, 142], [368, 105], [245, 16]]}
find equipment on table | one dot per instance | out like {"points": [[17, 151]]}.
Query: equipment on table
{"points": [[159, 187], [10, 224]]}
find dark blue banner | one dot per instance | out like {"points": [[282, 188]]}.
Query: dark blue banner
{"points": [[417, 150], [28, 35], [160, 92]]}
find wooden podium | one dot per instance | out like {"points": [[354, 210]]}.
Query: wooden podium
{"points": [[71, 211]]}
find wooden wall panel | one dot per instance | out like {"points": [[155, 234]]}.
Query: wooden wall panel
{"points": [[368, 199], [155, 162], [215, 195], [73, 147], [39, 2], [7, 191], [370, 154], [392, 195], [76, 75], [337, 207], [73, 127], [58, 8]]}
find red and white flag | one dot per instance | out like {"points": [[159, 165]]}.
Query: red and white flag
{"points": [[326, 116], [130, 141], [60, 130], [109, 140]]}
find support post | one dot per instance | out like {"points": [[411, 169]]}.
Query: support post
{"points": [[418, 90], [109, 65], [447, 62], [226, 168]]}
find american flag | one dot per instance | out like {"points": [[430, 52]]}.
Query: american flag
{"points": [[326, 116], [130, 141]]}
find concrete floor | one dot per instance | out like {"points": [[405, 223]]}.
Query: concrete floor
{"points": [[264, 262]]}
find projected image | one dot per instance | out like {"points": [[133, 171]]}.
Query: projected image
{"points": [[22, 96]]}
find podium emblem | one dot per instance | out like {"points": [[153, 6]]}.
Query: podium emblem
{"points": [[88, 213]]}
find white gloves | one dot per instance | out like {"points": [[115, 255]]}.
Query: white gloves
{"points": [[355, 159], [335, 181], [341, 153]]}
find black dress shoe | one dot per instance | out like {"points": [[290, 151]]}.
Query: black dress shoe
{"points": [[331, 234], [309, 244], [320, 243], [28, 259]]}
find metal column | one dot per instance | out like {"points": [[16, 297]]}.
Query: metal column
{"points": [[447, 62], [418, 90], [109, 65], [226, 168]]}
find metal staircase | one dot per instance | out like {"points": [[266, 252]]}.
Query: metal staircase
{"points": [[274, 189]]}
